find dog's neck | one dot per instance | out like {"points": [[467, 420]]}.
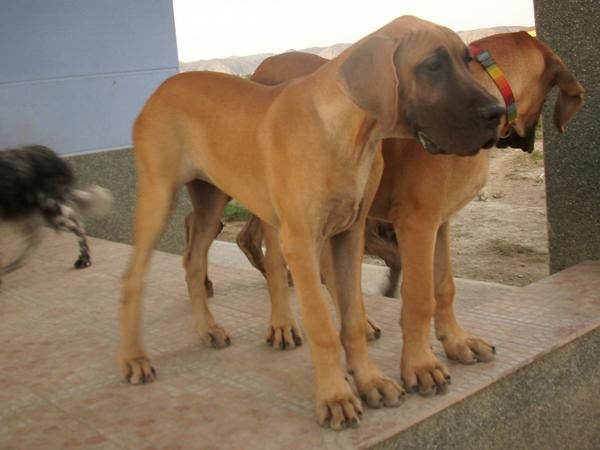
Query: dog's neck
{"points": [[508, 56], [486, 60]]}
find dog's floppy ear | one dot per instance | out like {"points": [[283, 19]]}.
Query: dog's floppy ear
{"points": [[571, 95], [368, 75]]}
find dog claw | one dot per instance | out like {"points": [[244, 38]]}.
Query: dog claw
{"points": [[139, 371], [427, 391], [284, 337], [338, 426], [412, 389], [379, 391], [297, 339], [217, 342], [468, 349]]}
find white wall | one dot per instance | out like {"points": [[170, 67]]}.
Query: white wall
{"points": [[75, 73]]}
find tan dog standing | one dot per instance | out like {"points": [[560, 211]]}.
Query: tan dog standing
{"points": [[419, 192], [300, 156]]}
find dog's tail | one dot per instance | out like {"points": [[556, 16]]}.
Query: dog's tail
{"points": [[92, 201]]}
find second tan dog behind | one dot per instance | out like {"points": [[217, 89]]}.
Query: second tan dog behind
{"points": [[419, 193], [302, 157]]}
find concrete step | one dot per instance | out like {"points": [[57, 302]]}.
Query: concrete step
{"points": [[60, 386]]}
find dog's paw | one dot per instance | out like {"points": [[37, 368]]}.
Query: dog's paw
{"points": [[422, 372], [373, 331], [82, 262], [137, 370], [468, 349], [284, 337], [377, 390], [338, 408], [216, 337]]}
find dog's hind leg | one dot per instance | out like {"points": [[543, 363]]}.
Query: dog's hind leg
{"points": [[458, 344], [283, 331], [190, 231], [209, 203], [249, 240], [154, 205], [328, 274], [380, 241]]}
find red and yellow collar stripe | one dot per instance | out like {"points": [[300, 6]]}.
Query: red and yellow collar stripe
{"points": [[485, 59]]}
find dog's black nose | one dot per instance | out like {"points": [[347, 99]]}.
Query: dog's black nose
{"points": [[492, 114]]}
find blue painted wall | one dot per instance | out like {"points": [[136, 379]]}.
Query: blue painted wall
{"points": [[75, 73]]}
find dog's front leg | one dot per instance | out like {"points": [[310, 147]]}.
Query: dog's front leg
{"points": [[458, 344], [336, 405], [346, 255], [420, 368]]}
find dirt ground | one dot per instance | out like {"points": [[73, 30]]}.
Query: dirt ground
{"points": [[501, 235]]}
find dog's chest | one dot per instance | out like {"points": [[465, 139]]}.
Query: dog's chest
{"points": [[465, 188], [344, 201], [341, 215]]}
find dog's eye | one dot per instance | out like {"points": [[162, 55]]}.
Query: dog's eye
{"points": [[433, 65]]}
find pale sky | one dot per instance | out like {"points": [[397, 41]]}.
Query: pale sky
{"points": [[222, 28]]}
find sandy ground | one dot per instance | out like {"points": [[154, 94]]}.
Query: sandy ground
{"points": [[501, 235]]}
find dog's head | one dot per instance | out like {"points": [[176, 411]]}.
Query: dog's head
{"points": [[413, 77], [532, 69]]}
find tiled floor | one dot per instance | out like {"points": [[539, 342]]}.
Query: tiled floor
{"points": [[60, 387]]}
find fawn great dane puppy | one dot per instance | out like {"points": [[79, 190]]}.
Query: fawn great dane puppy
{"points": [[300, 156], [419, 192]]}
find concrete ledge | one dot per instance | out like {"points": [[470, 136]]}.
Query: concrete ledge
{"points": [[548, 404]]}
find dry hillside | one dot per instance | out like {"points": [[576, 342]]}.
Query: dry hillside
{"points": [[244, 65]]}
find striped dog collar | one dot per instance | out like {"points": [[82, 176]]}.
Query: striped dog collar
{"points": [[488, 63]]}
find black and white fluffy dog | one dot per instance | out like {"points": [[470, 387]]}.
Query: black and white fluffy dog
{"points": [[36, 189]]}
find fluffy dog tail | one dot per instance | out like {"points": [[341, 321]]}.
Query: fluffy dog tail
{"points": [[92, 201]]}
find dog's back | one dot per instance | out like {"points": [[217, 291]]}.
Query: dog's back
{"points": [[29, 178]]}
